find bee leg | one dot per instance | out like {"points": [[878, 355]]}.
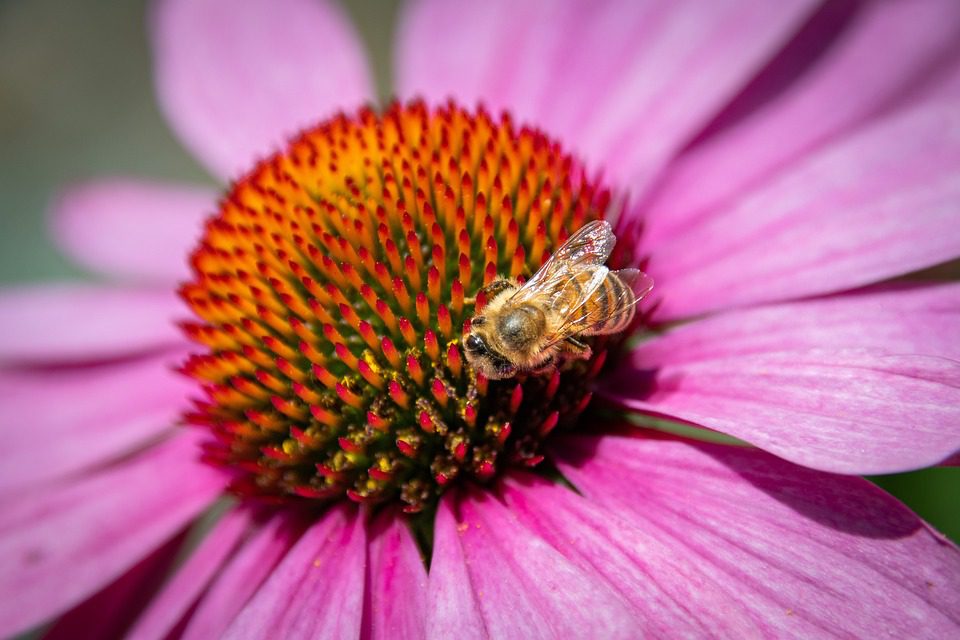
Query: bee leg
{"points": [[577, 349], [492, 290], [547, 365]]}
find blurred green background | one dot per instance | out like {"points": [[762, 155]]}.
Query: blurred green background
{"points": [[76, 102]]}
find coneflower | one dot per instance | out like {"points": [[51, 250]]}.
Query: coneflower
{"points": [[344, 473]]}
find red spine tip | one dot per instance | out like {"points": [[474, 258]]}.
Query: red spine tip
{"points": [[533, 461], [426, 423], [516, 398], [379, 474], [406, 448], [489, 273], [504, 433], [470, 415], [439, 392], [398, 394], [431, 345], [550, 423], [406, 330], [584, 401], [485, 470], [597, 363]]}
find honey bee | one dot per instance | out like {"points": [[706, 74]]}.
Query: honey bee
{"points": [[536, 326]]}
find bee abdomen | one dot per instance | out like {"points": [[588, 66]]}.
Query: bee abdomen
{"points": [[615, 302]]}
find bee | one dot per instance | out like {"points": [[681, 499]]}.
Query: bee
{"points": [[536, 326]]}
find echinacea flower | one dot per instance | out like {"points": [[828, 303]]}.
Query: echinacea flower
{"points": [[773, 166]]}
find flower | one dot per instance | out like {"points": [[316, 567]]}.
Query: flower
{"points": [[771, 203]]}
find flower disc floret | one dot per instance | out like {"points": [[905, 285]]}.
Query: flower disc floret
{"points": [[332, 290]]}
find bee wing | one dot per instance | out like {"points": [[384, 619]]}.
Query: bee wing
{"points": [[637, 281], [583, 318], [588, 248], [574, 294]]}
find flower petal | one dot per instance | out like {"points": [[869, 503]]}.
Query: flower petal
{"points": [[649, 573], [242, 576], [62, 544], [921, 319], [493, 577], [453, 605], [78, 323], [878, 204], [111, 612], [236, 79], [191, 579], [751, 544], [610, 78], [858, 383], [57, 423], [859, 411], [891, 49], [397, 582], [317, 590], [132, 229]]}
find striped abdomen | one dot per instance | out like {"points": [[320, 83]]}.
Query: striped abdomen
{"points": [[616, 305], [609, 309]]}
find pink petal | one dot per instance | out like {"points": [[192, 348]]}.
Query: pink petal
{"points": [[670, 594], [453, 605], [317, 590], [242, 576], [857, 383], [612, 79], [64, 543], [236, 79], [56, 423], [397, 582], [876, 205], [891, 50], [132, 229], [751, 545], [110, 613], [80, 323], [859, 411], [191, 579], [491, 576], [947, 86], [903, 319]]}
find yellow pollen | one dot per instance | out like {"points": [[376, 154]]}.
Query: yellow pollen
{"points": [[331, 292]]}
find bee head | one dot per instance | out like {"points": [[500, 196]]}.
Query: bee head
{"points": [[485, 360], [476, 345]]}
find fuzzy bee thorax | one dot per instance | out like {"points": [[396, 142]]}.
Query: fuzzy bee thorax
{"points": [[520, 327]]}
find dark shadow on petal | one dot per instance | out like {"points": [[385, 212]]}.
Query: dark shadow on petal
{"points": [[822, 31], [844, 503], [849, 504], [110, 612]]}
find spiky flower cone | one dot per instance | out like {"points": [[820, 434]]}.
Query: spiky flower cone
{"points": [[330, 290]]}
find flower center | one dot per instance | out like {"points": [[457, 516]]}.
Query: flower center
{"points": [[332, 290]]}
